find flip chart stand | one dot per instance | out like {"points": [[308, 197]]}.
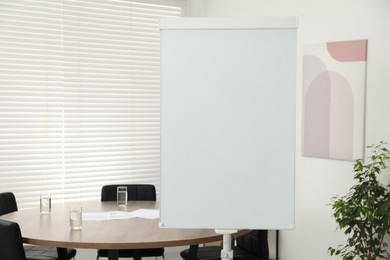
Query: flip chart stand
{"points": [[226, 252]]}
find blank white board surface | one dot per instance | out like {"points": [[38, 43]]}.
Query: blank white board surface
{"points": [[228, 123]]}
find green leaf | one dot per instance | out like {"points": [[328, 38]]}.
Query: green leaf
{"points": [[364, 212]]}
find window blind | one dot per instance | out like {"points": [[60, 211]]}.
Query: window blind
{"points": [[79, 95]]}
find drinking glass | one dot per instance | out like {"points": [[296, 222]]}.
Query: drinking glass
{"points": [[45, 203], [75, 217], [122, 195]]}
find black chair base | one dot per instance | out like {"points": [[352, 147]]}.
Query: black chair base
{"points": [[44, 252], [136, 253]]}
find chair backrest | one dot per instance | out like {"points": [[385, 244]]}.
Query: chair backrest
{"points": [[7, 203], [11, 245], [255, 242], [146, 192]]}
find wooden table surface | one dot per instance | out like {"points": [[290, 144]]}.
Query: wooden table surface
{"points": [[54, 230]]}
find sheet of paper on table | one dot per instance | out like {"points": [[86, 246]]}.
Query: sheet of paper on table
{"points": [[139, 213], [147, 213]]}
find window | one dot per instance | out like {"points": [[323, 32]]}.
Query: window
{"points": [[79, 95]]}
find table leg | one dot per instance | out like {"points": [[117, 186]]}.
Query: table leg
{"points": [[113, 254], [193, 251], [137, 254], [62, 253]]}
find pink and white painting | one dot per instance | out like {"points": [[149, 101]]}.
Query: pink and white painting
{"points": [[334, 79]]}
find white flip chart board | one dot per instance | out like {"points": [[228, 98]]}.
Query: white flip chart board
{"points": [[228, 123]]}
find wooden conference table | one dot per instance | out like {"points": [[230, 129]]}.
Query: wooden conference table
{"points": [[53, 229]]}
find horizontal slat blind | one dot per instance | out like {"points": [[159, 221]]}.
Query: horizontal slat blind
{"points": [[79, 95], [31, 100]]}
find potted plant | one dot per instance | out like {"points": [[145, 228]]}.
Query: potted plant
{"points": [[364, 212]]}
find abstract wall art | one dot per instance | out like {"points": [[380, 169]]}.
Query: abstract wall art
{"points": [[334, 79]]}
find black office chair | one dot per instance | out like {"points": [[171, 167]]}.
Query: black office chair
{"points": [[144, 192], [11, 244], [251, 246], [7, 205]]}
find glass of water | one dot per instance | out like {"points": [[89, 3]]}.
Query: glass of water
{"points": [[45, 203], [76, 217], [122, 195]]}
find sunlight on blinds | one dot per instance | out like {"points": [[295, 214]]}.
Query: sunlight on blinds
{"points": [[79, 95]]}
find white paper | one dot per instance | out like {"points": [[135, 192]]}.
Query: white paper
{"points": [[147, 213], [110, 215], [107, 215]]}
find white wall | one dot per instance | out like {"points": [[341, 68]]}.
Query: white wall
{"points": [[317, 180]]}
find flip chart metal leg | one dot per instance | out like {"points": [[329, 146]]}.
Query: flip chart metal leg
{"points": [[226, 252]]}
